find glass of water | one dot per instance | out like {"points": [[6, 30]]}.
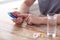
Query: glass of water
{"points": [[51, 25]]}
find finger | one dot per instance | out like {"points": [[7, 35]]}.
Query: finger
{"points": [[20, 19], [22, 15], [28, 19], [15, 13], [18, 14], [14, 20]]}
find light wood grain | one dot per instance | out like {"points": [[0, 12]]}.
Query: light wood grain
{"points": [[11, 31]]}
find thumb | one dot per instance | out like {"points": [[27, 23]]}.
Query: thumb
{"points": [[29, 19]]}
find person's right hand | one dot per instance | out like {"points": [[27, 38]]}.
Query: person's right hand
{"points": [[17, 20]]}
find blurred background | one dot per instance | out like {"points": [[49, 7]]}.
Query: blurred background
{"points": [[5, 1]]}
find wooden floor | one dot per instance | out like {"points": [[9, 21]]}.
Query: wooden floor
{"points": [[11, 31]]}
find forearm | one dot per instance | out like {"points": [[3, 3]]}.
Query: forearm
{"points": [[44, 20], [58, 18], [24, 8]]}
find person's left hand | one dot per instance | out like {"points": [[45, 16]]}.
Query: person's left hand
{"points": [[32, 19]]}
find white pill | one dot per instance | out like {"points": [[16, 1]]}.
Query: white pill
{"points": [[35, 35]]}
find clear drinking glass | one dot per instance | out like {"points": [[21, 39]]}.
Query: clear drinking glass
{"points": [[51, 25]]}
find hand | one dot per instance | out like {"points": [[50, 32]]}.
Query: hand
{"points": [[17, 20], [20, 17], [32, 19]]}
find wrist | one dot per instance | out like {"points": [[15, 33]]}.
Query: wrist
{"points": [[24, 8], [36, 21], [43, 20]]}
